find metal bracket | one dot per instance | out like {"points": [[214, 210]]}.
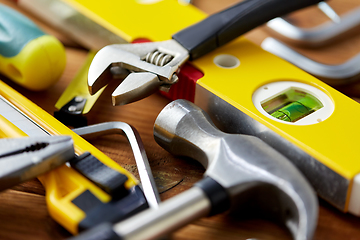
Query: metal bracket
{"points": [[146, 177], [318, 35]]}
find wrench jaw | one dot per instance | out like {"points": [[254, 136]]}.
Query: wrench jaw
{"points": [[102, 80], [162, 59], [135, 87], [100, 73], [249, 170]]}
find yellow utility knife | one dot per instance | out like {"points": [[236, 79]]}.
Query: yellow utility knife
{"points": [[76, 198]]}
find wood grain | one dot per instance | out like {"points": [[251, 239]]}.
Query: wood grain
{"points": [[23, 213]]}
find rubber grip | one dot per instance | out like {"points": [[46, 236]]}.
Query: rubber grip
{"points": [[16, 31], [25, 49], [222, 27], [219, 198], [108, 179]]}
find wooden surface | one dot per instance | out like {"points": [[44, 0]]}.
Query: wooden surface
{"points": [[23, 213]]}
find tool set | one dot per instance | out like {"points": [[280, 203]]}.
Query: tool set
{"points": [[246, 90], [273, 147]]}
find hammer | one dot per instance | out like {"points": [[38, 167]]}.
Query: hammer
{"points": [[241, 170]]}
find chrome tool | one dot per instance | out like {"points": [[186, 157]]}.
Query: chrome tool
{"points": [[22, 159], [240, 170], [331, 74], [329, 12], [153, 66], [318, 35]]}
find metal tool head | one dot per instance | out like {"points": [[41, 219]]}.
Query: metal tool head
{"points": [[249, 169], [145, 67], [25, 158], [315, 36], [335, 75]]}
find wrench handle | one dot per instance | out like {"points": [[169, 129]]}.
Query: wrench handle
{"points": [[222, 27]]}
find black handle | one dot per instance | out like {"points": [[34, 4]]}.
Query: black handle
{"points": [[222, 27]]}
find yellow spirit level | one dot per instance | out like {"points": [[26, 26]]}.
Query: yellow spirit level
{"points": [[248, 90]]}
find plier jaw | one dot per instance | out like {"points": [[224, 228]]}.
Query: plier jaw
{"points": [[144, 68], [22, 159]]}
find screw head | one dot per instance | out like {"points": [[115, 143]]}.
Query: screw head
{"points": [[78, 99], [72, 108]]}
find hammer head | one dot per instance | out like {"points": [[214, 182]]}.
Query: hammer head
{"points": [[250, 170]]}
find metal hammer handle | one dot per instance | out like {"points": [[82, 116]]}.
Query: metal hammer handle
{"points": [[151, 224]]}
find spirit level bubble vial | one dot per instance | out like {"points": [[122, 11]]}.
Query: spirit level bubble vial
{"points": [[293, 102]]}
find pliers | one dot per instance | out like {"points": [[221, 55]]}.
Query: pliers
{"points": [[22, 159], [147, 67]]}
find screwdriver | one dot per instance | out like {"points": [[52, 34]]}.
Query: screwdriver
{"points": [[28, 56]]}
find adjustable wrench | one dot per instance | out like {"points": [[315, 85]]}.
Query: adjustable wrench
{"points": [[240, 169], [150, 66]]}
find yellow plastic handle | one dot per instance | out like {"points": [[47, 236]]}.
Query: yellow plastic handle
{"points": [[38, 65]]}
